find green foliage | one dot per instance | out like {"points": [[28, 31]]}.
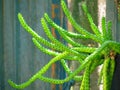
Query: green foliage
{"points": [[88, 57]]}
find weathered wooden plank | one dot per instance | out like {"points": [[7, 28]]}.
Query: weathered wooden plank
{"points": [[8, 37], [57, 17], [118, 32], [26, 48], [17, 40], [1, 50], [111, 14]]}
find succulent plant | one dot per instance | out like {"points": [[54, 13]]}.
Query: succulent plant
{"points": [[89, 57]]}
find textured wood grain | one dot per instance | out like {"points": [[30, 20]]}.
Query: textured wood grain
{"points": [[19, 58]]}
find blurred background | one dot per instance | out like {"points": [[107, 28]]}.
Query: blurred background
{"points": [[20, 59]]}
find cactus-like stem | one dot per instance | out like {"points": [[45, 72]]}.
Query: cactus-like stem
{"points": [[88, 57]]}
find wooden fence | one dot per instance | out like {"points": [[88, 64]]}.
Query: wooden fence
{"points": [[19, 58], [112, 15]]}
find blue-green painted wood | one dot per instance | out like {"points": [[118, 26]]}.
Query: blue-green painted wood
{"points": [[118, 32], [8, 42], [111, 14], [19, 58], [59, 18], [1, 50]]}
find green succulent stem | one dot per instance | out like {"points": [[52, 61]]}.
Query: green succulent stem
{"points": [[88, 57]]}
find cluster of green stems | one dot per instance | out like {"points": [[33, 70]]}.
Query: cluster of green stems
{"points": [[88, 57]]}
